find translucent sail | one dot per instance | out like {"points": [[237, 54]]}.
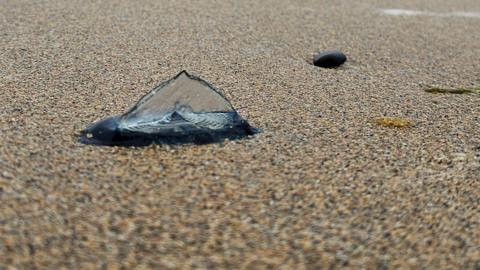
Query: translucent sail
{"points": [[182, 101]]}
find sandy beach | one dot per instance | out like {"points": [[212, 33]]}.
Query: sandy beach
{"points": [[323, 186]]}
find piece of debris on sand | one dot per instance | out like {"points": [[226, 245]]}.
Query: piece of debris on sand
{"points": [[184, 109], [393, 122]]}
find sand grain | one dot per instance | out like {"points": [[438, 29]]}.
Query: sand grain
{"points": [[321, 186]]}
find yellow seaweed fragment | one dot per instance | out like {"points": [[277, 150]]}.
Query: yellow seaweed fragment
{"points": [[439, 90], [393, 122]]}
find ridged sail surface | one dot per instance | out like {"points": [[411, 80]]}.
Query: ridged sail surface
{"points": [[188, 98]]}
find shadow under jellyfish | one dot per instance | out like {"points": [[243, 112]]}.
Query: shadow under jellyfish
{"points": [[184, 109]]}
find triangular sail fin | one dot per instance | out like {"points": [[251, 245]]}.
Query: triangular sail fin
{"points": [[183, 91]]}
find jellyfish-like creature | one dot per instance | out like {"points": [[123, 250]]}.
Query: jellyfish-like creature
{"points": [[184, 109]]}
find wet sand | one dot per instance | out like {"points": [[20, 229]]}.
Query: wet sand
{"points": [[321, 186]]}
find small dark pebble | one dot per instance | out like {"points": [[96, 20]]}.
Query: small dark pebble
{"points": [[329, 59]]}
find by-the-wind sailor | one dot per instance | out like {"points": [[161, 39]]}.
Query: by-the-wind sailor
{"points": [[184, 109]]}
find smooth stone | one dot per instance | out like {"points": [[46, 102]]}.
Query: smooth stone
{"points": [[329, 59]]}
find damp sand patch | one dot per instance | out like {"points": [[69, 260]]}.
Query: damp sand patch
{"points": [[407, 12], [182, 110]]}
